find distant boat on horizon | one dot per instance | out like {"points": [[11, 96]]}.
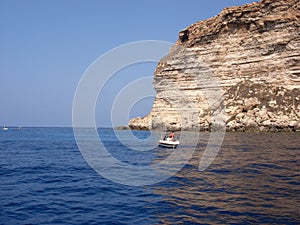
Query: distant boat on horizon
{"points": [[5, 128]]}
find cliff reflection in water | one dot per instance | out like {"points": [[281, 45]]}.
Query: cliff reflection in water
{"points": [[255, 178]]}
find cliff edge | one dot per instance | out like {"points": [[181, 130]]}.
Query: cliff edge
{"points": [[246, 58]]}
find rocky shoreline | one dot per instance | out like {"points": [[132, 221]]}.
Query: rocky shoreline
{"points": [[260, 107], [245, 60]]}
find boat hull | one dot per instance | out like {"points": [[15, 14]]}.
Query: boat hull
{"points": [[168, 144]]}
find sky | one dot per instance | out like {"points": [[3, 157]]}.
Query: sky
{"points": [[47, 45]]}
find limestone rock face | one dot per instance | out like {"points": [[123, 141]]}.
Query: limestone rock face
{"points": [[240, 68]]}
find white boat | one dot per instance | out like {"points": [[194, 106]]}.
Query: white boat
{"points": [[5, 128], [168, 143]]}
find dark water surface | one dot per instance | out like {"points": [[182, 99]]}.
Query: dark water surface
{"points": [[255, 179]]}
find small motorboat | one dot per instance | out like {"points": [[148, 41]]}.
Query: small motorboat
{"points": [[168, 143], [5, 128]]}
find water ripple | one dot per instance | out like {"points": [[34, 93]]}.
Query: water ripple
{"points": [[255, 179]]}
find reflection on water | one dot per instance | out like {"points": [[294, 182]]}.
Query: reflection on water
{"points": [[254, 179], [44, 180]]}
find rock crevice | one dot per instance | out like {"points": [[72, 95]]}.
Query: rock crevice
{"points": [[246, 58]]}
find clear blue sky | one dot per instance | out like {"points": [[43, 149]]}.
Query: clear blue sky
{"points": [[46, 46]]}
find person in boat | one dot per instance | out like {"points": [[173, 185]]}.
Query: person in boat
{"points": [[172, 136]]}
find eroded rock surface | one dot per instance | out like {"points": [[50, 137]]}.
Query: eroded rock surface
{"points": [[242, 64]]}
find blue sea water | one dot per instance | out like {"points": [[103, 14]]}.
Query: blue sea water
{"points": [[254, 179]]}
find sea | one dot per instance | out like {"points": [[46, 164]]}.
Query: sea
{"points": [[45, 179]]}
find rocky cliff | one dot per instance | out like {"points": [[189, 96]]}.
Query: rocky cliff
{"points": [[242, 63]]}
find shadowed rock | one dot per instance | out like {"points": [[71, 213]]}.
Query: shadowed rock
{"points": [[246, 59]]}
